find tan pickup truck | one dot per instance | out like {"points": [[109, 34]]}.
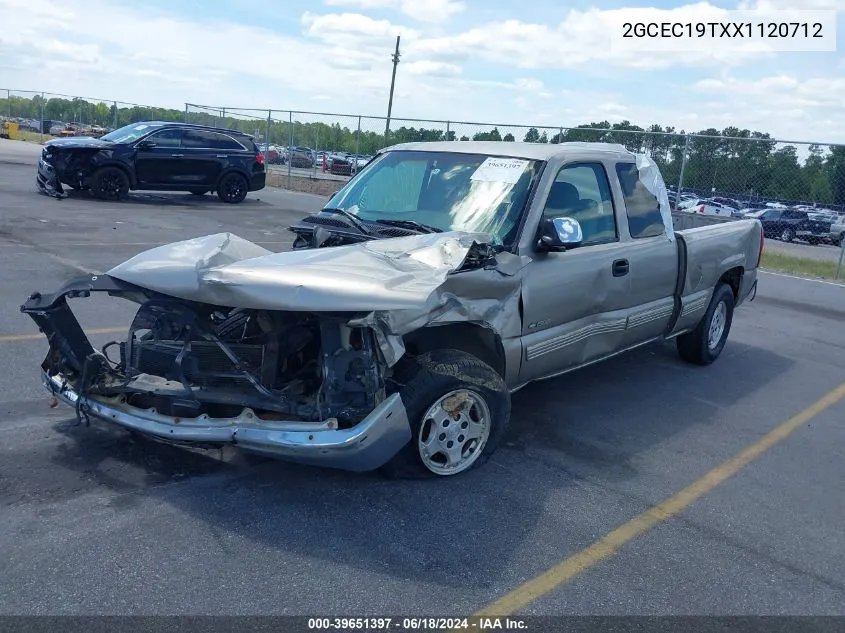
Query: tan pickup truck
{"points": [[439, 280]]}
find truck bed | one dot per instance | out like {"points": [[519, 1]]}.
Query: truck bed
{"points": [[726, 251]]}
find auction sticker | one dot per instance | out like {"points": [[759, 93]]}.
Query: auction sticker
{"points": [[506, 170]]}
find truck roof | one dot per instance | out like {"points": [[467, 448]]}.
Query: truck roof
{"points": [[531, 151]]}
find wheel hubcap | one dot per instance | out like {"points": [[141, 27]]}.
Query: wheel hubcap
{"points": [[454, 431], [110, 185], [717, 325], [233, 188]]}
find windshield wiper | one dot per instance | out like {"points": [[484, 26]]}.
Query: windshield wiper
{"points": [[411, 224], [352, 219]]}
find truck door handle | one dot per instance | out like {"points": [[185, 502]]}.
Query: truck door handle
{"points": [[620, 268], [177, 155]]}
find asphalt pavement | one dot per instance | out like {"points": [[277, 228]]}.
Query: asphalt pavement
{"points": [[98, 522]]}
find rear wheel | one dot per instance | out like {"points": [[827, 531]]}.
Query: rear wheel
{"points": [[110, 183], [703, 345], [232, 188], [787, 235], [458, 408]]}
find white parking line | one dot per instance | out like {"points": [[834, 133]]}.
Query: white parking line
{"points": [[840, 284]]}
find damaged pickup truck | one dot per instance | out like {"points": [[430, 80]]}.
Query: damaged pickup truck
{"points": [[439, 280]]}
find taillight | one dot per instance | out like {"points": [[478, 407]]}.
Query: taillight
{"points": [[260, 158], [762, 243], [701, 209]]}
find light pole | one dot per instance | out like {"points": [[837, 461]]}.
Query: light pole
{"points": [[395, 56]]}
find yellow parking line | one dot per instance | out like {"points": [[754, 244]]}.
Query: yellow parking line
{"points": [[571, 567], [32, 337]]}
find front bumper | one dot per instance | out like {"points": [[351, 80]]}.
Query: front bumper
{"points": [[368, 445], [46, 179]]}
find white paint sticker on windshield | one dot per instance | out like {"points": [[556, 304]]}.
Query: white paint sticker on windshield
{"points": [[141, 127], [506, 170]]}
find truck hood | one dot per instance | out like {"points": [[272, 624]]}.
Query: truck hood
{"points": [[379, 275], [80, 142]]}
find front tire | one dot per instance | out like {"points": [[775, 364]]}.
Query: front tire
{"points": [[459, 409], [110, 183], [705, 343], [787, 235], [232, 188]]}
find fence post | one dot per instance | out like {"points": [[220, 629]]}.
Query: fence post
{"points": [[41, 123], [290, 145], [186, 113], [267, 139], [841, 257], [116, 115], [448, 129], [9, 101], [560, 135], [358, 137], [681, 175]]}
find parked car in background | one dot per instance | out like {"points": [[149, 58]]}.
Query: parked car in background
{"points": [[836, 236], [155, 155], [706, 206], [272, 155], [789, 224], [341, 165], [301, 157]]}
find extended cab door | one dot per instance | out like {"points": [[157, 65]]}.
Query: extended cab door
{"points": [[652, 257], [576, 303]]}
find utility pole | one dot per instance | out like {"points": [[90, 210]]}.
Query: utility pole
{"points": [[395, 56]]}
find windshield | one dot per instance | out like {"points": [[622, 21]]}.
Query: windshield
{"points": [[446, 190], [128, 133]]}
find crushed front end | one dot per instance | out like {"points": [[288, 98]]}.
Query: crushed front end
{"points": [[300, 386]]}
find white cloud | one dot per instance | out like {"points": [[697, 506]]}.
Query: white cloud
{"points": [[422, 10], [432, 68]]}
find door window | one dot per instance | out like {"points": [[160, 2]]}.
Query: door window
{"points": [[582, 191], [642, 206], [166, 138]]}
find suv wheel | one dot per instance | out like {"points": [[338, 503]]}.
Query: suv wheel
{"points": [[703, 345], [458, 407], [232, 188], [110, 183], [787, 235]]}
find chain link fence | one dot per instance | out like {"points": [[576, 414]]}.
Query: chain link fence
{"points": [[42, 115]]}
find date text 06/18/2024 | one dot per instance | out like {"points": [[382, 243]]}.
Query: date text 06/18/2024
{"points": [[417, 624]]}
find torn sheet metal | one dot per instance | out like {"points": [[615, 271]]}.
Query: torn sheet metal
{"points": [[402, 283], [652, 179]]}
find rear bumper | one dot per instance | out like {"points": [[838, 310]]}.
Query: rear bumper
{"points": [[258, 181], [748, 287], [366, 446]]}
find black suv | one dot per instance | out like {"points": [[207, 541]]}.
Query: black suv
{"points": [[789, 224], [155, 155]]}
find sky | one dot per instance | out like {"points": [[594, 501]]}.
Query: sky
{"points": [[536, 62]]}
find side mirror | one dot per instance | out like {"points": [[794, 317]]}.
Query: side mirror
{"points": [[146, 145], [560, 234]]}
